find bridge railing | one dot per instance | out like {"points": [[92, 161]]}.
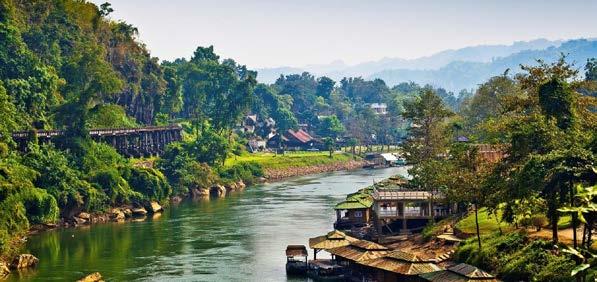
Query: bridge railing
{"points": [[97, 131]]}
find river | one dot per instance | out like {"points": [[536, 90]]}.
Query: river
{"points": [[241, 237]]}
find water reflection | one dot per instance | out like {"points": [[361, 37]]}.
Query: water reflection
{"points": [[238, 238]]}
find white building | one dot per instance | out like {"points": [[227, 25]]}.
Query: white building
{"points": [[379, 108]]}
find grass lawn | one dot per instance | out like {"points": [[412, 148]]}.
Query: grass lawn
{"points": [[289, 159], [487, 223]]}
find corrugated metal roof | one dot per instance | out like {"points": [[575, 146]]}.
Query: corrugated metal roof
{"points": [[300, 135]]}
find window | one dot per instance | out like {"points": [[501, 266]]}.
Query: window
{"points": [[358, 214]]}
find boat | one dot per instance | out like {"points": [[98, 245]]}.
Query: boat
{"points": [[326, 270], [296, 260], [401, 161]]}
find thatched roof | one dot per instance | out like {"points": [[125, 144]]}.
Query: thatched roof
{"points": [[368, 245], [296, 251], [470, 271], [360, 250], [356, 254], [459, 273], [402, 263], [333, 239]]}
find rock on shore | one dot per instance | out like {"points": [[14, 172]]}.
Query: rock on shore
{"points": [[93, 277], [154, 207], [4, 271], [117, 215], [24, 261], [139, 211], [199, 193]]}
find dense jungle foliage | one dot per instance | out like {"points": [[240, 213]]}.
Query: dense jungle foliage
{"points": [[65, 64]]}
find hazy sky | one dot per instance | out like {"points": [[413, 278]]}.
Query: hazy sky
{"points": [[269, 33]]}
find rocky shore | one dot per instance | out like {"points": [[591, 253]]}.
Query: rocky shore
{"points": [[137, 212], [279, 174]]}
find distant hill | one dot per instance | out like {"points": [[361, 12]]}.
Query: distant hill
{"points": [[459, 75], [338, 69]]}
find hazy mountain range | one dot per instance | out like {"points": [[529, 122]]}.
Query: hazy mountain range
{"points": [[451, 69]]}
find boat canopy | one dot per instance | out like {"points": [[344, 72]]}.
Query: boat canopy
{"points": [[296, 251]]}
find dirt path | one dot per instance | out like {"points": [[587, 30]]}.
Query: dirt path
{"points": [[564, 235]]}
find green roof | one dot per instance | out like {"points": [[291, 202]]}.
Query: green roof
{"points": [[355, 201]]}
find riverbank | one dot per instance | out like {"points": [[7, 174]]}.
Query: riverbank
{"points": [[183, 241], [277, 174], [277, 168]]}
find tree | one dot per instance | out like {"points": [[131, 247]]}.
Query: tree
{"points": [[219, 93], [352, 142], [88, 79], [106, 9], [8, 113], [556, 100], [209, 147], [492, 99], [584, 209], [331, 126], [427, 115], [171, 103], [325, 86], [591, 70], [302, 88], [330, 145]]}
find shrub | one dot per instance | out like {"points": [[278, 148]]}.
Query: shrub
{"points": [[246, 171], [514, 257], [183, 171], [118, 190], [13, 221], [196, 175], [20, 202], [150, 182], [40, 207], [538, 221], [61, 180], [109, 116], [101, 156]]}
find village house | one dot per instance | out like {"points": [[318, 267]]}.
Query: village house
{"points": [[253, 125], [363, 260], [256, 144], [379, 108], [459, 273], [249, 124], [355, 211], [294, 140]]}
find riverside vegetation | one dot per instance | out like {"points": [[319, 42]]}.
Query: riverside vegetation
{"points": [[543, 119], [65, 65]]}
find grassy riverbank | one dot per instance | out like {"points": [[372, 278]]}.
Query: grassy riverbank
{"points": [[289, 159], [278, 166]]}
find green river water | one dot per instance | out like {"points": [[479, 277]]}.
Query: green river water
{"points": [[241, 237]]}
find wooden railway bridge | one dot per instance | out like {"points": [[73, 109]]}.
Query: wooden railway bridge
{"points": [[130, 142]]}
